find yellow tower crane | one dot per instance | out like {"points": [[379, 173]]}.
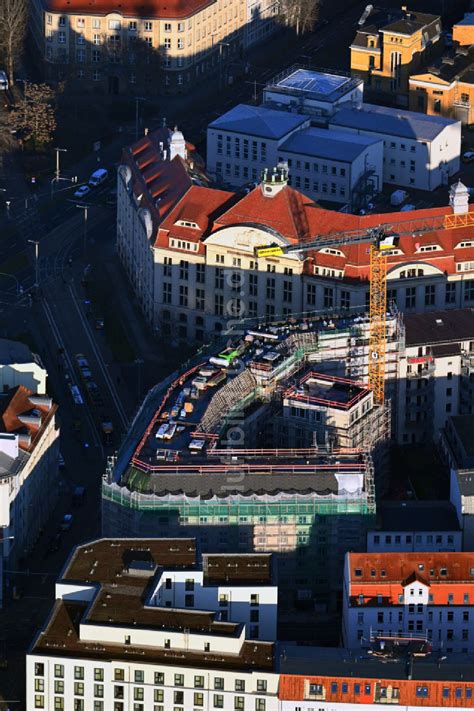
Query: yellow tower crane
{"points": [[381, 239]]}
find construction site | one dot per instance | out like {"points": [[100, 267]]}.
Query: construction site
{"points": [[274, 443]]}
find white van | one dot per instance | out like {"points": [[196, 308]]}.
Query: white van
{"points": [[98, 177]]}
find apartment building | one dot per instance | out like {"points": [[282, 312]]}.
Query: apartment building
{"points": [[409, 526], [29, 448], [107, 647], [456, 446], [326, 165], [112, 641], [446, 87], [392, 44], [128, 49], [435, 373], [420, 151], [426, 596], [19, 366]]}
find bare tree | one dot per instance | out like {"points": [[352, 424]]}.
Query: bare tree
{"points": [[300, 14], [13, 24], [33, 119]]}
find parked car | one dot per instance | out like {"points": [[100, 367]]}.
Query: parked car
{"points": [[82, 191], [66, 522], [468, 157], [82, 361], [98, 177], [76, 395]]}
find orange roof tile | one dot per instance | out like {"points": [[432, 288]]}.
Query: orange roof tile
{"points": [[389, 568]]}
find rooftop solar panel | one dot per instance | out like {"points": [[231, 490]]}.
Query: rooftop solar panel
{"points": [[313, 82]]}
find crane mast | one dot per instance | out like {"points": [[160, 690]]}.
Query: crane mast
{"points": [[381, 238]]}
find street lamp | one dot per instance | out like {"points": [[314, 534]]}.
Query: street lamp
{"points": [[57, 172], [85, 208], [36, 243]]}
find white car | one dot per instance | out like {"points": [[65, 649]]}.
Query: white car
{"points": [[82, 191]]}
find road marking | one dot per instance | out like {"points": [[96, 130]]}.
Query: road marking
{"points": [[113, 392], [60, 343]]}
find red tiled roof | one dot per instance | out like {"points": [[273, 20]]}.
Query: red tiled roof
{"points": [[397, 567], [17, 403], [199, 205], [130, 8]]}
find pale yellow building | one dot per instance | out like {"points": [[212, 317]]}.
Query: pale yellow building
{"points": [[150, 47], [392, 44]]}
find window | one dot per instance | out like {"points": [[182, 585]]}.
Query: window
{"points": [[218, 701], [311, 294], [410, 297], [148, 26], [138, 693], [239, 702], [78, 672], [58, 670], [240, 684], [219, 278], [39, 701], [199, 682], [219, 683], [99, 690], [328, 299], [159, 678], [184, 270], [262, 685], [270, 288], [180, 43], [79, 688], [179, 679], [114, 25], [450, 295], [158, 695], [254, 600], [58, 687], [260, 704], [178, 697], [430, 295], [469, 290]]}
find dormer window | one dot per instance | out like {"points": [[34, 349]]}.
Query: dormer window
{"points": [[331, 250], [462, 245], [187, 223], [183, 244], [429, 248]]}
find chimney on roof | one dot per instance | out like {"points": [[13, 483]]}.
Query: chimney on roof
{"points": [[459, 198], [272, 183]]}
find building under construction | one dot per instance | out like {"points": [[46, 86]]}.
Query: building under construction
{"points": [[266, 445]]}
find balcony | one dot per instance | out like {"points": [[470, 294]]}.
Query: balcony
{"points": [[424, 371]]}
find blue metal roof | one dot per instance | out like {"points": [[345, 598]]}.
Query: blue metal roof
{"points": [[258, 121], [331, 145], [395, 122]]}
